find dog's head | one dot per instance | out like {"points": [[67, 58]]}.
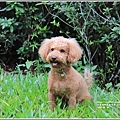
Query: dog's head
{"points": [[60, 51]]}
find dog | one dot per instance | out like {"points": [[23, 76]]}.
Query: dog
{"points": [[63, 80]]}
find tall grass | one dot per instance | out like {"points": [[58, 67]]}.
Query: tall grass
{"points": [[25, 96]]}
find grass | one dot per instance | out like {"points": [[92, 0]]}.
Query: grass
{"points": [[25, 96]]}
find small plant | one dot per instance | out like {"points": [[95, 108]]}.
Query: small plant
{"points": [[7, 23], [26, 66], [108, 86], [118, 86]]}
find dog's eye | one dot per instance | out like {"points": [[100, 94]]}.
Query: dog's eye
{"points": [[52, 49], [62, 50]]}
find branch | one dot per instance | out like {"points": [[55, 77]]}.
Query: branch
{"points": [[3, 63], [94, 53], [4, 9], [84, 36], [58, 18], [98, 14]]}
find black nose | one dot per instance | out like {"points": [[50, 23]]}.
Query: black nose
{"points": [[53, 58]]}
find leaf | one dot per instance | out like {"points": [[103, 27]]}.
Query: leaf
{"points": [[47, 65], [41, 3], [94, 67], [28, 64], [21, 10], [53, 22], [118, 85], [11, 29], [108, 85]]}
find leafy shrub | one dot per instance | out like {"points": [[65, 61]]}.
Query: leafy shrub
{"points": [[95, 25], [23, 26]]}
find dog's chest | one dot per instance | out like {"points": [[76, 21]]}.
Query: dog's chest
{"points": [[60, 87]]}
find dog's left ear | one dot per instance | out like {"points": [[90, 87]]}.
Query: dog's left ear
{"points": [[75, 52]]}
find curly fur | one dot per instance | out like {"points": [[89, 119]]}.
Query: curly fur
{"points": [[64, 80]]}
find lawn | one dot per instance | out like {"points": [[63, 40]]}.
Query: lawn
{"points": [[25, 96]]}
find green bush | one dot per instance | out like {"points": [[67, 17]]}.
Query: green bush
{"points": [[95, 25]]}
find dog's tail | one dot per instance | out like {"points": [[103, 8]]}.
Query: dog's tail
{"points": [[88, 76]]}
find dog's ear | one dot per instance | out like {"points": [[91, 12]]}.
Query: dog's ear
{"points": [[75, 52], [45, 48]]}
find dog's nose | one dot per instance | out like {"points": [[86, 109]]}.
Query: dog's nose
{"points": [[53, 58]]}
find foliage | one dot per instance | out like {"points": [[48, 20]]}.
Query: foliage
{"points": [[22, 31], [95, 25], [26, 96]]}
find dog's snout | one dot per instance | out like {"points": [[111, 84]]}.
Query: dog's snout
{"points": [[53, 58]]}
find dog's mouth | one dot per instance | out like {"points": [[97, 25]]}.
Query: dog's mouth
{"points": [[54, 63]]}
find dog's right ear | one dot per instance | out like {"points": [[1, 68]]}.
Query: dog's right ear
{"points": [[45, 48]]}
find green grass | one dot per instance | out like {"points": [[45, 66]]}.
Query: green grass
{"points": [[25, 96]]}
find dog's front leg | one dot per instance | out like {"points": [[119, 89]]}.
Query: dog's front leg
{"points": [[52, 100], [72, 101]]}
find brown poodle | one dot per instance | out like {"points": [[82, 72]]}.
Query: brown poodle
{"points": [[64, 81]]}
